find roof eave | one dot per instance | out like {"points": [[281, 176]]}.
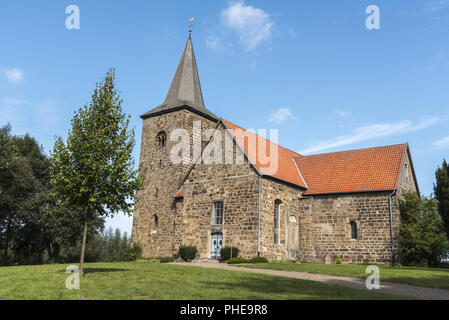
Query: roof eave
{"points": [[185, 106], [349, 192]]}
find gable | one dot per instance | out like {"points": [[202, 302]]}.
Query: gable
{"points": [[232, 161], [286, 167]]}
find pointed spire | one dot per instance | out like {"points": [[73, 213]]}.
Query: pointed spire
{"points": [[185, 89]]}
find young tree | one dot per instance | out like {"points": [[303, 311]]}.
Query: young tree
{"points": [[421, 233], [441, 190], [94, 169]]}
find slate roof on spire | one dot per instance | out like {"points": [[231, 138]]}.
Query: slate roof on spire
{"points": [[185, 89]]}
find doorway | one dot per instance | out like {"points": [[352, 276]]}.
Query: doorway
{"points": [[217, 244]]}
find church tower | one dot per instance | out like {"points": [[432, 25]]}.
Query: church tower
{"points": [[155, 209]]}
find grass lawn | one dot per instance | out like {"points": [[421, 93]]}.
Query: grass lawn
{"points": [[145, 280], [424, 277]]}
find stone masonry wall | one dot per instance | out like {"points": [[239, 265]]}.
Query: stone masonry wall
{"points": [[237, 187], [162, 181], [288, 196], [325, 227]]}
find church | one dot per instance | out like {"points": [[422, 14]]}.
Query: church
{"points": [[289, 207]]}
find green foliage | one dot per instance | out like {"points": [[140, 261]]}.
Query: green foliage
{"points": [[338, 261], [94, 169], [34, 224], [187, 253], [225, 253], [108, 246], [421, 234], [134, 252], [166, 259], [441, 190], [258, 260], [237, 260], [18, 195]]}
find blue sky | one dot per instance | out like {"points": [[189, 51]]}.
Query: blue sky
{"points": [[309, 68]]}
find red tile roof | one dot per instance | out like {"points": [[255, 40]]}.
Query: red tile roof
{"points": [[353, 171], [286, 168], [180, 193], [338, 172]]}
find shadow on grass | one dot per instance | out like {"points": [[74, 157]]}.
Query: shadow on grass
{"points": [[98, 270], [287, 288], [103, 270]]}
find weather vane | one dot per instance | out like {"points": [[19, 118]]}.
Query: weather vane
{"points": [[191, 25]]}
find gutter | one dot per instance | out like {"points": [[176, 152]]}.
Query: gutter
{"points": [[391, 226]]}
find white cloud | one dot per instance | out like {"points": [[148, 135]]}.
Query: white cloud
{"points": [[12, 102], [441, 60], [292, 32], [443, 142], [252, 25], [281, 115], [13, 75], [212, 42], [370, 132], [342, 114], [437, 5]]}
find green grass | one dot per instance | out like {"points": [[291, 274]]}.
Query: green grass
{"points": [[130, 280], [418, 276]]}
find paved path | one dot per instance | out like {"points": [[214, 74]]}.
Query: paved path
{"points": [[398, 289]]}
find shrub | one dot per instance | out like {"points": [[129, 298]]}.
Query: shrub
{"points": [[422, 239], [258, 260], [225, 253], [338, 261], [187, 253], [166, 259], [133, 252], [237, 260]]}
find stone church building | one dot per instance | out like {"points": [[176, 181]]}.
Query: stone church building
{"points": [[308, 208]]}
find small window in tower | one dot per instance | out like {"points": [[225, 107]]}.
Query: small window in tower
{"points": [[161, 138], [156, 221], [353, 230], [218, 213]]}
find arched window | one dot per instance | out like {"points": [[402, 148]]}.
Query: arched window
{"points": [[277, 204], [156, 221], [161, 138], [353, 230]]}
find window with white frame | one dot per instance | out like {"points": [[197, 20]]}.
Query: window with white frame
{"points": [[218, 212]]}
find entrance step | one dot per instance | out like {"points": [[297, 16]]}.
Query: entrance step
{"points": [[206, 260]]}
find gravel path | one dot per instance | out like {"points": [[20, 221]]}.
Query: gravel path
{"points": [[398, 289]]}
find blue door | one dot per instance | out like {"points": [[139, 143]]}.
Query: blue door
{"points": [[217, 243]]}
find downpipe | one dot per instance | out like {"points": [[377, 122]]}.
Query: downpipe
{"points": [[391, 227], [258, 215]]}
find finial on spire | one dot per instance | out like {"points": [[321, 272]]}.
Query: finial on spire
{"points": [[191, 25]]}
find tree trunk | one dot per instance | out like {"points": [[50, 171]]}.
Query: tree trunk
{"points": [[83, 249]]}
